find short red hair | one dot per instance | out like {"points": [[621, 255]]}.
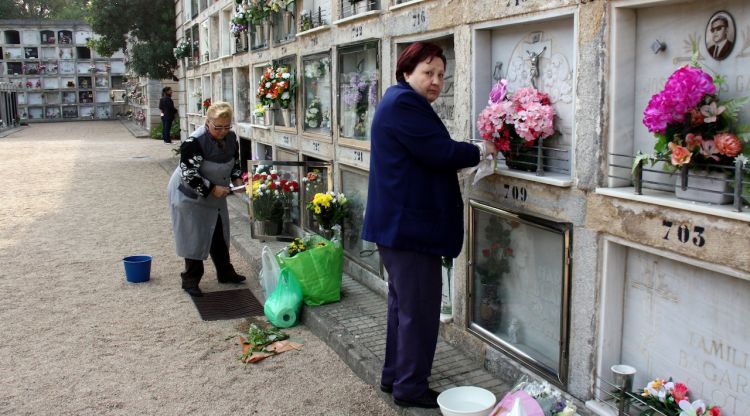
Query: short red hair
{"points": [[414, 54]]}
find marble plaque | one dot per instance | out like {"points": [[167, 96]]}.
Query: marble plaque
{"points": [[30, 37], [118, 67], [35, 98], [691, 324], [82, 36]]}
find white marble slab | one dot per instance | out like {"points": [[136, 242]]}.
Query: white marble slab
{"points": [[689, 323]]}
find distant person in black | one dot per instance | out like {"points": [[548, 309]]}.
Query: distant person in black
{"points": [[168, 112]]}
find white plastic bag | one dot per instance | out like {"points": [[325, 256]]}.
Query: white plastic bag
{"points": [[269, 272], [485, 168]]}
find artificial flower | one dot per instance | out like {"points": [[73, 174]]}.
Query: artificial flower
{"points": [[728, 144], [680, 155], [711, 111]]}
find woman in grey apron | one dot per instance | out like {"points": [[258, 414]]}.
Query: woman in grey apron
{"points": [[209, 163]]}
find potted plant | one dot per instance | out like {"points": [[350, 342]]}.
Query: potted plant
{"points": [[696, 131], [267, 201], [515, 122], [328, 209], [182, 50], [276, 86]]}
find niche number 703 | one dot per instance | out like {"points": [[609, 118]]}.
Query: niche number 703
{"points": [[683, 233]]}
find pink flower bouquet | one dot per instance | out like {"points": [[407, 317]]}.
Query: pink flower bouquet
{"points": [[514, 122], [692, 127]]}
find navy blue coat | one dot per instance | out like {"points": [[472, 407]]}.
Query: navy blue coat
{"points": [[414, 200]]}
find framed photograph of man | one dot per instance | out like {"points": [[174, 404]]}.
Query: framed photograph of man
{"points": [[720, 35]]}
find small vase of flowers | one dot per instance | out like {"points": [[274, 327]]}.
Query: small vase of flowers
{"points": [[515, 122]]}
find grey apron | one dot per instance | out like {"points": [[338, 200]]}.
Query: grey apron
{"points": [[194, 216]]}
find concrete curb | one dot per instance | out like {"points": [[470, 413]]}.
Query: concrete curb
{"points": [[136, 130]]}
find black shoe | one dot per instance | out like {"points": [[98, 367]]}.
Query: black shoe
{"points": [[426, 401], [193, 291], [236, 278], [386, 388]]}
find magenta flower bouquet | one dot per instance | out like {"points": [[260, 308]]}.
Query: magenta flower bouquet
{"points": [[692, 126]]}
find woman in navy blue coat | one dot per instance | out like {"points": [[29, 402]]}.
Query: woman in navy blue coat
{"points": [[415, 215]]}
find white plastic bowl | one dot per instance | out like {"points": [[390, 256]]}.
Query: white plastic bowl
{"points": [[466, 401]]}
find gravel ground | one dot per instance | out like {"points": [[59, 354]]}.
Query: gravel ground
{"points": [[78, 339]]}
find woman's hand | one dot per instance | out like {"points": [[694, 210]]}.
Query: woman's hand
{"points": [[220, 191], [490, 149]]}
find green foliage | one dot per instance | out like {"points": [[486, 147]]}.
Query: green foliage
{"points": [[259, 338], [174, 131], [43, 9], [147, 25], [644, 157], [733, 108]]}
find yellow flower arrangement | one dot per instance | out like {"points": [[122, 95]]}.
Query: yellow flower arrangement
{"points": [[329, 209]]}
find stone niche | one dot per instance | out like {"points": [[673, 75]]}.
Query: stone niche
{"points": [[650, 40], [540, 52], [670, 316]]}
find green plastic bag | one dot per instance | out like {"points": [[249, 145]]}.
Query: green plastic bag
{"points": [[283, 306], [318, 270]]}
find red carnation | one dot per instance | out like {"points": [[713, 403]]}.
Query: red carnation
{"points": [[680, 392]]}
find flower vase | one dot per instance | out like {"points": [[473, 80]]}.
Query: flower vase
{"points": [[287, 220], [287, 117], [705, 186], [326, 233], [199, 107], [258, 39], [266, 227], [349, 119], [521, 157], [359, 7], [266, 29], [286, 17], [267, 118]]}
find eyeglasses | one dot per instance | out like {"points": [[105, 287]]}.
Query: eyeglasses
{"points": [[229, 127], [717, 28]]}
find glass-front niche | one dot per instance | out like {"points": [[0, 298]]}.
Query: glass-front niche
{"points": [[359, 90], [316, 87], [354, 186], [520, 283], [537, 54]]}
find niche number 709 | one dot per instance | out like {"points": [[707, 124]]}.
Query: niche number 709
{"points": [[683, 233]]}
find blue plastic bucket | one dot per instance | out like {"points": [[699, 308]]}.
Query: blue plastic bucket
{"points": [[137, 268]]}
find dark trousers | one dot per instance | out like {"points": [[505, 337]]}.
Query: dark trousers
{"points": [[414, 293], [219, 252], [166, 133]]}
